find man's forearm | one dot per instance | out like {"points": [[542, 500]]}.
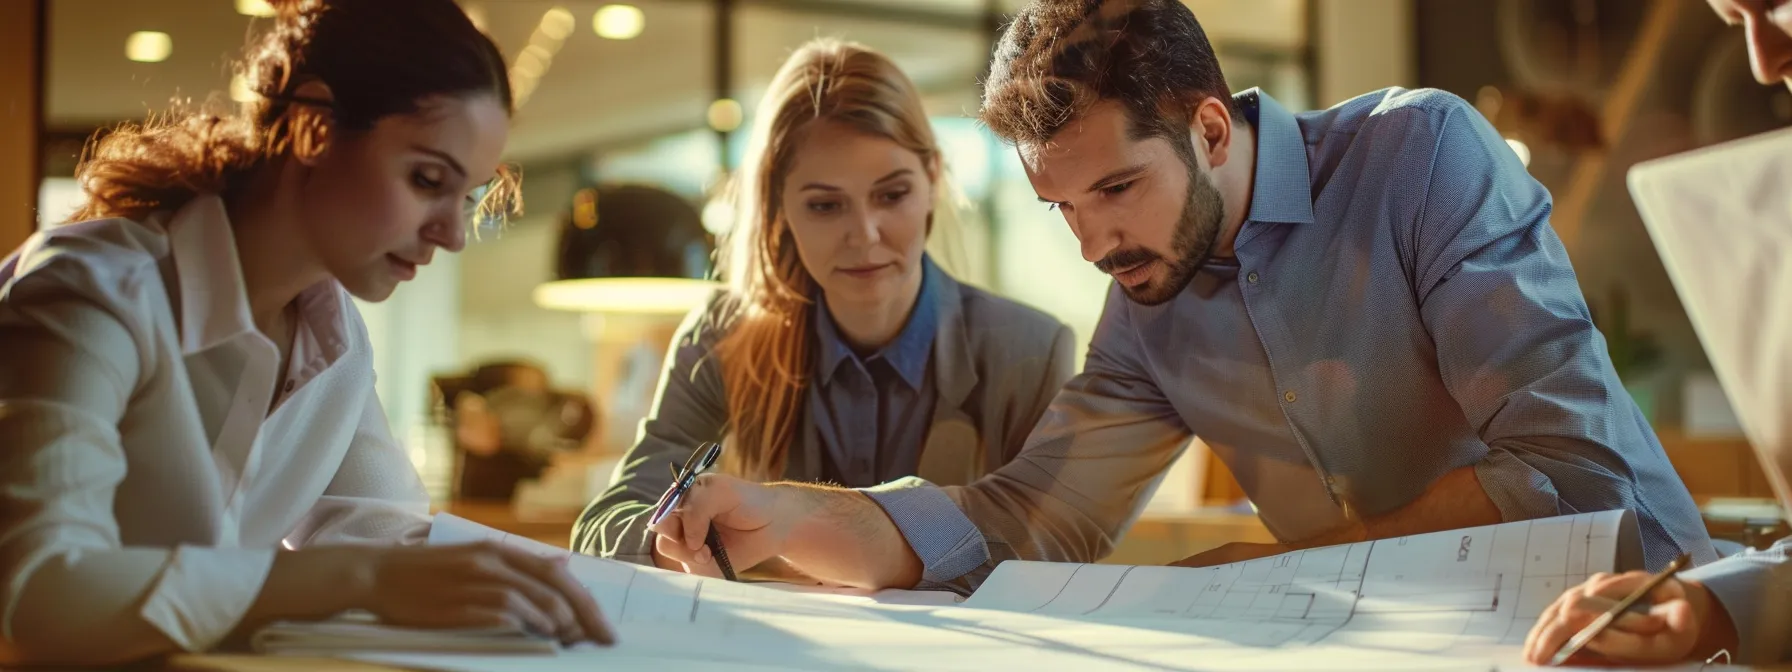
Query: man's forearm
{"points": [[842, 537], [1454, 501]]}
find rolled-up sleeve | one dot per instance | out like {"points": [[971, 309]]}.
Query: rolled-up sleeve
{"points": [[1081, 480], [71, 593], [947, 543], [1516, 344], [689, 408], [1755, 587]]}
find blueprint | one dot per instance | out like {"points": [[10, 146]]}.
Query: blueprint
{"points": [[1459, 600]]}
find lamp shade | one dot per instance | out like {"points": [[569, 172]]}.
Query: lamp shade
{"points": [[629, 249]]}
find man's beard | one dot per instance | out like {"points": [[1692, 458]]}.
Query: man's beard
{"points": [[1197, 227]]}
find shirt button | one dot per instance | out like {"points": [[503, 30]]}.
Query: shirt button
{"points": [[1288, 396], [289, 385], [1251, 277]]}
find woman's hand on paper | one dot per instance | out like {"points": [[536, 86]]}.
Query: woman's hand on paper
{"points": [[1683, 622], [744, 513], [480, 585]]}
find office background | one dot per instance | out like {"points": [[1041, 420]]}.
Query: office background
{"points": [[661, 92]]}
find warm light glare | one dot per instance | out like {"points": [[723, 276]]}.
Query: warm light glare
{"points": [[725, 115], [254, 8], [148, 46], [1522, 150], [529, 65], [557, 23], [663, 296], [541, 53], [239, 90], [718, 216], [618, 22], [476, 14]]}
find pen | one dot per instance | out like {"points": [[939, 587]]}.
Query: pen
{"points": [[701, 460], [1611, 615]]}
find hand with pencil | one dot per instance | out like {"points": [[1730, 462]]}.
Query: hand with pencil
{"points": [[709, 527], [1675, 620]]}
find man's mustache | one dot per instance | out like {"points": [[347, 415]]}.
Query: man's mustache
{"points": [[1119, 260]]}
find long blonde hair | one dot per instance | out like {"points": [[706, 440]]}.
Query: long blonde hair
{"points": [[765, 352]]}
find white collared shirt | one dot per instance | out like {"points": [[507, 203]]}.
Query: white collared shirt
{"points": [[145, 485]]}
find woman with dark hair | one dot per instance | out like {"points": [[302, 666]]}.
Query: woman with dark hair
{"points": [[193, 446]]}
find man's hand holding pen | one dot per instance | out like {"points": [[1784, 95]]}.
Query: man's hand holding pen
{"points": [[745, 514]]}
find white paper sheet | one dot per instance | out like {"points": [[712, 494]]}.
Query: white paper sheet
{"points": [[1721, 219], [1458, 600]]}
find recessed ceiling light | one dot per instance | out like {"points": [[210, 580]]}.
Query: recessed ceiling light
{"points": [[254, 8], [618, 22], [148, 46]]}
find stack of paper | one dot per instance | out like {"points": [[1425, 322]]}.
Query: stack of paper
{"points": [[362, 632]]}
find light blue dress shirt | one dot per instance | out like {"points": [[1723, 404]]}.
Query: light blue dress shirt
{"points": [[1755, 587], [1398, 307]]}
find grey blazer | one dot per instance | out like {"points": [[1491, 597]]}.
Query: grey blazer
{"points": [[997, 365]]}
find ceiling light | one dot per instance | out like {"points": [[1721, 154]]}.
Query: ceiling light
{"points": [[1522, 150], [557, 23], [725, 115], [618, 22], [663, 296], [254, 8], [240, 91], [148, 46]]}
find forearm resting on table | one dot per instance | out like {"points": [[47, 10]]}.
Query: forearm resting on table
{"points": [[1456, 500], [91, 611], [841, 537]]}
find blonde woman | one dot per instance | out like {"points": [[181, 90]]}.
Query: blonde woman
{"points": [[838, 351]]}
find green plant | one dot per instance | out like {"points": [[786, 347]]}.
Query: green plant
{"points": [[1632, 352]]}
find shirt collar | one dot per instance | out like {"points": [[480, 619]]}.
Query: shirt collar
{"points": [[214, 303], [1283, 188], [908, 354], [214, 307]]}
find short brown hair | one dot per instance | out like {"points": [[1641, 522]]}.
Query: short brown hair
{"points": [[1059, 57]]}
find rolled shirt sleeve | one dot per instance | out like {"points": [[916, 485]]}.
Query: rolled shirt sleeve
{"points": [[946, 541], [1755, 587]]}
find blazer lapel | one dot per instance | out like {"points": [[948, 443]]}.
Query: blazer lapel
{"points": [[954, 452]]}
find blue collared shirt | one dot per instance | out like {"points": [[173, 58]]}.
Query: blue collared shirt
{"points": [[872, 412], [1398, 307]]}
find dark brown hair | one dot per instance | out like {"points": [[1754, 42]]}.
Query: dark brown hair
{"points": [[378, 58], [1058, 57]]}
